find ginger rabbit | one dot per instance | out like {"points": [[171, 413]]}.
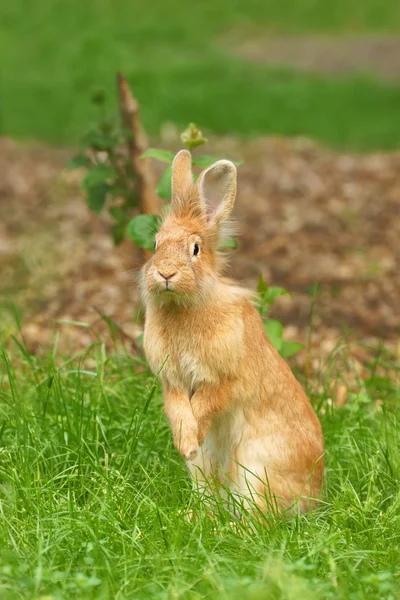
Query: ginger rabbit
{"points": [[238, 415]]}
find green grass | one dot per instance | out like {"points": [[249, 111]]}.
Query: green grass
{"points": [[92, 494], [53, 55]]}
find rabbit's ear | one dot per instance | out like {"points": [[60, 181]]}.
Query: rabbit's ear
{"points": [[181, 176], [217, 188], [185, 200]]}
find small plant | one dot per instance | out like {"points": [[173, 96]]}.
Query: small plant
{"points": [[274, 328], [110, 176], [109, 172]]}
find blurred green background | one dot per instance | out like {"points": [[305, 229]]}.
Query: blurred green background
{"points": [[55, 53]]}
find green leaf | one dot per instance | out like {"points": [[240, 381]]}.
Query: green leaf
{"points": [[274, 292], [96, 197], [207, 160], [268, 295], [78, 161], [194, 143], [118, 232], [164, 185], [142, 230], [228, 243], [160, 154], [192, 137], [98, 174], [262, 285], [290, 348], [99, 141], [118, 213], [274, 331]]}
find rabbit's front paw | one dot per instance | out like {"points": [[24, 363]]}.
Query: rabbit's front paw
{"points": [[204, 426], [188, 444]]}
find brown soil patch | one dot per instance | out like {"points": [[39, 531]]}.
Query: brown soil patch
{"points": [[306, 214], [377, 55]]}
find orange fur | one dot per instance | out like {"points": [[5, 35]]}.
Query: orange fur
{"points": [[236, 411]]}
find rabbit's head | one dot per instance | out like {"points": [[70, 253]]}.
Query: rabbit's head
{"points": [[186, 264]]}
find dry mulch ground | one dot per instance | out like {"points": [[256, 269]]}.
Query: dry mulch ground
{"points": [[306, 215]]}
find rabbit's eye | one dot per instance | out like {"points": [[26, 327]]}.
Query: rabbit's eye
{"points": [[196, 250]]}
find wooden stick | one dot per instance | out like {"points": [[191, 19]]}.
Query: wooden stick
{"points": [[137, 143]]}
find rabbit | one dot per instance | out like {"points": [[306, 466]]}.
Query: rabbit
{"points": [[238, 416]]}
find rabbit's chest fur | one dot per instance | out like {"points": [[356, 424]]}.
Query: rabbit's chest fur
{"points": [[190, 351]]}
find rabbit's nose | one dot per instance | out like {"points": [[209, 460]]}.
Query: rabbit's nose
{"points": [[167, 275]]}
